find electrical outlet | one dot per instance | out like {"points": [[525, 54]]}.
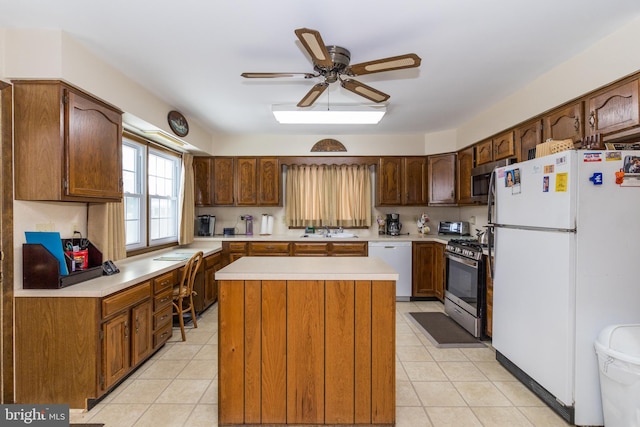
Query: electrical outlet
{"points": [[472, 220]]}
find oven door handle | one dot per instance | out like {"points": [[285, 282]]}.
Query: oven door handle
{"points": [[466, 261]]}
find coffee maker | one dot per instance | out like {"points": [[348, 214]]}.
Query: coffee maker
{"points": [[393, 224], [205, 225]]}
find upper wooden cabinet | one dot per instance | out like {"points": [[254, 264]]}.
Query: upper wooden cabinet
{"points": [[223, 175], [565, 123], [527, 137], [237, 181], [497, 148], [258, 181], [614, 109], [402, 181], [442, 179], [67, 144], [503, 146], [463, 181]]}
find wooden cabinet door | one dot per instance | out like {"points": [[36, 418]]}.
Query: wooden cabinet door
{"points": [[223, 181], [484, 152], [489, 315], [142, 333], [503, 146], [415, 181], [565, 123], [116, 348], [246, 181], [94, 132], [389, 184], [442, 179], [527, 137], [439, 273], [269, 179], [463, 181], [203, 174], [424, 267], [613, 110]]}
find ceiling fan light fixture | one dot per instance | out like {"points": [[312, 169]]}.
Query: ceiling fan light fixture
{"points": [[339, 114]]}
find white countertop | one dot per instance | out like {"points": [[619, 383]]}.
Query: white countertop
{"points": [[366, 237], [307, 268], [132, 271]]}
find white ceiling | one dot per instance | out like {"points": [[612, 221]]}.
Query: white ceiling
{"points": [[190, 53]]}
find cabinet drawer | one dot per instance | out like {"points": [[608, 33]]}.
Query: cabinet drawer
{"points": [[349, 249], [162, 299], [162, 318], [125, 299], [161, 336], [164, 281], [317, 249], [269, 248], [237, 246]]}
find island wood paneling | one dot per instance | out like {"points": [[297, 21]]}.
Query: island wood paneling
{"points": [[305, 352], [339, 353], [252, 374], [362, 352], [383, 337], [323, 351], [274, 352], [231, 352]]}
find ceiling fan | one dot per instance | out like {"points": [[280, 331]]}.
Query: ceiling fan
{"points": [[332, 64]]}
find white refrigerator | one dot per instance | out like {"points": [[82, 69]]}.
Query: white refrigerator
{"points": [[567, 264]]}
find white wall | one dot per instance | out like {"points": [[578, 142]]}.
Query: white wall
{"points": [[300, 145], [610, 59]]}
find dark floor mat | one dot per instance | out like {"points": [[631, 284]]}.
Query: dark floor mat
{"points": [[443, 331]]}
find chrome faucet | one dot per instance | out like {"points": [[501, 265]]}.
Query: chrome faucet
{"points": [[328, 230]]}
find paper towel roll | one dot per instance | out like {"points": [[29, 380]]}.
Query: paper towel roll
{"points": [[270, 225], [264, 224]]}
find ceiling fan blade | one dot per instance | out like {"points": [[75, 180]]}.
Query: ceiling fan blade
{"points": [[312, 42], [274, 75], [364, 90], [313, 94], [410, 60]]}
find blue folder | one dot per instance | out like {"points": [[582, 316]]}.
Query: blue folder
{"points": [[52, 242]]}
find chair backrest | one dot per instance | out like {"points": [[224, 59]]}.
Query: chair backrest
{"points": [[189, 273]]}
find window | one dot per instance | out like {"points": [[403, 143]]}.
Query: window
{"points": [[328, 195], [151, 186]]}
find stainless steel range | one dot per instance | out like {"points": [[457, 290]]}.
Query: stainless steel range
{"points": [[465, 290]]}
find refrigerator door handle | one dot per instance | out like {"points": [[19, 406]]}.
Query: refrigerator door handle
{"points": [[490, 203], [533, 228]]}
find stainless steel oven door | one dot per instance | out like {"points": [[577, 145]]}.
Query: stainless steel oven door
{"points": [[462, 282]]}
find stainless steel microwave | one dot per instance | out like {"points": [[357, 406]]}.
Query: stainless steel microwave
{"points": [[481, 176]]}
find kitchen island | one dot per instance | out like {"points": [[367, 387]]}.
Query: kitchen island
{"points": [[306, 340]]}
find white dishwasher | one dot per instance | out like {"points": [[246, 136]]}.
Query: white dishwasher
{"points": [[398, 255]]}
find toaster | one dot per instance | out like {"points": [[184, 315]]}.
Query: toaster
{"points": [[459, 228]]}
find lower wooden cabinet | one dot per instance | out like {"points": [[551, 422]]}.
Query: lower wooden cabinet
{"points": [[330, 249], [212, 263], [428, 270], [72, 350], [489, 312]]}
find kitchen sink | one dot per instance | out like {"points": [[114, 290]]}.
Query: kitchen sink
{"points": [[341, 235]]}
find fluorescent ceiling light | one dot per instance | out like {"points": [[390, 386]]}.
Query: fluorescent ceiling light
{"points": [[338, 114]]}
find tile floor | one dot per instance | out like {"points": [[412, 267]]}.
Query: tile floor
{"points": [[434, 387]]}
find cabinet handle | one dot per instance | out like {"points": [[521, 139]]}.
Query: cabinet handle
{"points": [[164, 334], [137, 325], [164, 299], [163, 317], [126, 329], [576, 124], [592, 119]]}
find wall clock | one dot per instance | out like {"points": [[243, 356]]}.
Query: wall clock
{"points": [[178, 123]]}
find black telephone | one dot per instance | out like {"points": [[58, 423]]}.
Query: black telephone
{"points": [[110, 268]]}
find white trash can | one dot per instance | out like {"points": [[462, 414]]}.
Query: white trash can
{"points": [[618, 350]]}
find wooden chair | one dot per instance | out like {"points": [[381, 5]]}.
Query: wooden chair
{"points": [[183, 293]]}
